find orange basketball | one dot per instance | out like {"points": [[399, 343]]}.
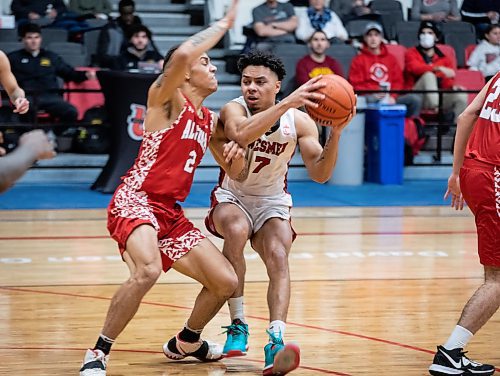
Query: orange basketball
{"points": [[339, 102]]}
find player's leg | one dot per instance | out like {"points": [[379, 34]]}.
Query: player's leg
{"points": [[143, 259], [477, 183], [231, 222], [207, 265], [273, 242]]}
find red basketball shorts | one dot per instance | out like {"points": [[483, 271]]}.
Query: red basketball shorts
{"points": [[480, 185], [176, 234]]}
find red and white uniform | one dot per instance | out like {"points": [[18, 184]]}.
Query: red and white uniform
{"points": [[263, 194], [161, 175], [480, 176]]}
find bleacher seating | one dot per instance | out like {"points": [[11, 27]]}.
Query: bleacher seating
{"points": [[469, 80], [84, 101], [8, 47], [398, 51], [74, 54], [391, 12], [407, 33], [343, 53], [468, 51], [53, 36]]}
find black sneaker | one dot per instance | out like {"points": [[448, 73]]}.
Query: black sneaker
{"points": [[454, 362], [205, 351]]}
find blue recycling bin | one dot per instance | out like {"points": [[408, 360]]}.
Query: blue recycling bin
{"points": [[384, 141]]}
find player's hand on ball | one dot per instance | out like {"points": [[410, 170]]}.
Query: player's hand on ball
{"points": [[233, 151], [307, 94]]}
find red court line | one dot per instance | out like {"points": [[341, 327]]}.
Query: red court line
{"points": [[386, 233], [253, 317]]}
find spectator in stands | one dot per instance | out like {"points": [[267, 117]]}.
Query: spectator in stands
{"points": [[318, 17], [37, 69], [112, 38], [274, 22], [39, 11], [436, 10], [349, 10], [481, 13], [95, 8], [316, 62], [376, 69], [427, 68], [486, 56], [139, 50]]}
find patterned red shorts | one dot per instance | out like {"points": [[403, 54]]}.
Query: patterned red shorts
{"points": [[480, 185], [176, 234]]}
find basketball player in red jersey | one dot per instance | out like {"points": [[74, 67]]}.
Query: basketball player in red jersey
{"points": [[475, 179], [258, 207], [144, 217]]}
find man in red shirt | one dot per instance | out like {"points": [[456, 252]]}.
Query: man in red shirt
{"points": [[317, 62], [427, 68], [376, 68], [475, 178]]}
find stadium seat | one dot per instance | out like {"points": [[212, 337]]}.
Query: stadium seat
{"points": [[290, 54], [84, 101], [74, 54], [53, 36], [8, 35], [457, 27], [343, 53], [468, 51], [398, 51], [407, 33], [470, 80], [459, 41], [9, 47], [356, 28], [449, 51], [391, 12]]}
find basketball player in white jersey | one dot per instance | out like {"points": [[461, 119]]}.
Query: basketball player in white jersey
{"points": [[258, 207]]}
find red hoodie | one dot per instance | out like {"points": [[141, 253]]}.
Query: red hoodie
{"points": [[416, 66], [369, 70]]}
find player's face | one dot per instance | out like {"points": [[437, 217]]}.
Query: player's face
{"points": [[259, 86], [32, 41], [373, 39], [202, 74], [319, 44]]}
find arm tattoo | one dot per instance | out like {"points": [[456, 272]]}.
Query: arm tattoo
{"points": [[206, 34]]}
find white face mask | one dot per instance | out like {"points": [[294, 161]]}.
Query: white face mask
{"points": [[426, 40]]}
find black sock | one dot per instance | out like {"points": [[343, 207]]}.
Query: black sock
{"points": [[188, 335], [104, 344]]}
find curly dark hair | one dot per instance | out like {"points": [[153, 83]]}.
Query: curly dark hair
{"points": [[264, 59]]}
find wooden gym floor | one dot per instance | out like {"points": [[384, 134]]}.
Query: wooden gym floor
{"points": [[374, 291]]}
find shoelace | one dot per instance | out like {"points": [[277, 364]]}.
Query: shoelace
{"points": [[234, 328], [276, 340]]}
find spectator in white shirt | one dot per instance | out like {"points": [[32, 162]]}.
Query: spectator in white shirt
{"points": [[318, 17]]}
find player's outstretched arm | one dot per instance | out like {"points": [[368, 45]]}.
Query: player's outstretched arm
{"points": [[245, 130], [33, 146], [9, 83], [319, 161], [465, 124], [228, 154], [175, 69]]}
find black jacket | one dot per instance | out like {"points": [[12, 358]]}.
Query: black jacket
{"points": [[127, 60], [21, 8], [41, 72]]}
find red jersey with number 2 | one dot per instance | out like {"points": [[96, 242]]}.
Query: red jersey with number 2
{"points": [[484, 142], [167, 159]]}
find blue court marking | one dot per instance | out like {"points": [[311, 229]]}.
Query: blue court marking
{"points": [[79, 196]]}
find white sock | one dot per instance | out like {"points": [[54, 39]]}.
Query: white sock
{"points": [[236, 309], [458, 339], [277, 328]]}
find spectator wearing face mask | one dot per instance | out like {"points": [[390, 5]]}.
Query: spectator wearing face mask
{"points": [[427, 68]]}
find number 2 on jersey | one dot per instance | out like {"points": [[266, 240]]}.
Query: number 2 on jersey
{"points": [[263, 162], [189, 166], [488, 111]]}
